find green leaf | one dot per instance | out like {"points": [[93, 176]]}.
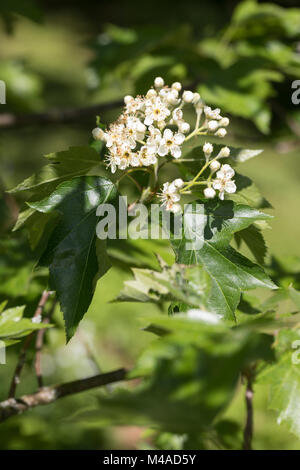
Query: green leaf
{"points": [[63, 166], [230, 272], [74, 262], [13, 326], [254, 240], [173, 283], [248, 193], [284, 380], [295, 296]]}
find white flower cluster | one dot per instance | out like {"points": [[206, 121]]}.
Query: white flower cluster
{"points": [[153, 126], [141, 134], [223, 181]]}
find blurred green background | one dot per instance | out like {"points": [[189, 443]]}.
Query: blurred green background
{"points": [[241, 56]]}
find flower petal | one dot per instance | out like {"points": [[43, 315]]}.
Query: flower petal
{"points": [[178, 138], [168, 134], [176, 151], [163, 150], [230, 187]]}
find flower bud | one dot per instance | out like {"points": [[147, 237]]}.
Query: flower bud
{"points": [[188, 96], [177, 114], [127, 99], [97, 133], [151, 93], [207, 148], [159, 82], [196, 98], [221, 132], [209, 193], [224, 122], [215, 165], [184, 127], [179, 183], [172, 97], [212, 125], [176, 86], [224, 152]]}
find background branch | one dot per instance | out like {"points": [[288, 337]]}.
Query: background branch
{"points": [[39, 345], [56, 116], [23, 353], [248, 431], [47, 395]]}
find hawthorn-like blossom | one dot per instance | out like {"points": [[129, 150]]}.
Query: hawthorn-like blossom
{"points": [[212, 113], [155, 111], [133, 105], [154, 139], [146, 156], [170, 197], [170, 143], [143, 132], [223, 182], [135, 129], [115, 135]]}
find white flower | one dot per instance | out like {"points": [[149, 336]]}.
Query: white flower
{"points": [[188, 96], [207, 148], [223, 182], [156, 111], [154, 139], [209, 193], [172, 97], [127, 158], [122, 157], [135, 129], [212, 125], [115, 135], [212, 113], [170, 197], [146, 156], [159, 82], [176, 86], [170, 143], [215, 165], [221, 132], [177, 114], [98, 133], [135, 104]]}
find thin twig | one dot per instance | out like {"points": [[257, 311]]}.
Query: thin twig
{"points": [[22, 357], [39, 345], [248, 430], [56, 116], [47, 395]]}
